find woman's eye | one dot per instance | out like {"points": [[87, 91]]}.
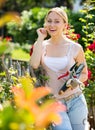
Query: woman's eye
{"points": [[56, 21], [49, 21]]}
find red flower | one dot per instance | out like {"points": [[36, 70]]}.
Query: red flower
{"points": [[86, 83], [73, 36], [78, 36], [8, 38], [89, 74], [31, 50], [89, 77], [92, 46]]}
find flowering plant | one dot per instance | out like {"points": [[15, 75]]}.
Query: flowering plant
{"points": [[90, 83], [5, 45], [70, 33], [91, 47]]}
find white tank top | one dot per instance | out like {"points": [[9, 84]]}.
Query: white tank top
{"points": [[56, 63]]}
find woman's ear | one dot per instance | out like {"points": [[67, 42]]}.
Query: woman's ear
{"points": [[66, 25], [65, 28]]}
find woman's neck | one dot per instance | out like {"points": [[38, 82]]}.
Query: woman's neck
{"points": [[58, 39]]}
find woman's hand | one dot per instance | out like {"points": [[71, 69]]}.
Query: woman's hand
{"points": [[42, 33], [74, 82]]}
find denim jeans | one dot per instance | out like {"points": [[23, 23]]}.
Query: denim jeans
{"points": [[75, 118]]}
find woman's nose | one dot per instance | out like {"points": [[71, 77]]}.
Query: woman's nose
{"points": [[52, 24]]}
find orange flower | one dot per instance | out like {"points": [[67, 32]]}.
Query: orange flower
{"points": [[43, 114], [49, 114]]}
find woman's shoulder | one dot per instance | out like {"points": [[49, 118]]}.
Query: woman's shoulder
{"points": [[76, 48], [75, 45]]}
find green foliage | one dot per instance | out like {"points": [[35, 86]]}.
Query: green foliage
{"points": [[20, 54], [88, 24], [20, 5], [26, 31], [5, 46], [77, 25], [90, 89], [6, 82], [14, 119], [88, 39]]}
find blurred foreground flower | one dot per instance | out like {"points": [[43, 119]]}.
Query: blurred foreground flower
{"points": [[28, 98], [2, 2], [9, 16]]}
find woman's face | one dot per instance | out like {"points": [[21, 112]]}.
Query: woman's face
{"points": [[55, 24]]}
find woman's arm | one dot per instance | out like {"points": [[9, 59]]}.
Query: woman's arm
{"points": [[81, 59], [37, 49], [36, 55]]}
